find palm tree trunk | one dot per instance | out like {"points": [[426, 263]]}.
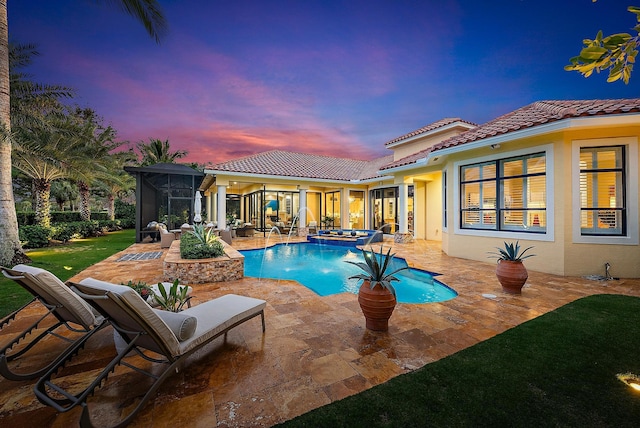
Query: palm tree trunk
{"points": [[85, 210], [111, 207], [10, 248], [43, 203]]}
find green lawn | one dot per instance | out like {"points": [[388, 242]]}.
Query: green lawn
{"points": [[558, 370], [64, 261]]}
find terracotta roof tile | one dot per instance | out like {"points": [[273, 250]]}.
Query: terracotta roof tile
{"points": [[432, 126], [291, 164], [538, 113]]}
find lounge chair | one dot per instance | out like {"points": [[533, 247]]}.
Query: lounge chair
{"points": [[68, 309], [246, 230], [174, 336]]}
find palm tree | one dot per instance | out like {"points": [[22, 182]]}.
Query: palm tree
{"points": [[39, 155], [116, 182], [146, 11], [36, 114], [97, 144], [64, 191], [158, 151]]}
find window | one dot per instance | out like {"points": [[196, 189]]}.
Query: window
{"points": [[602, 191], [505, 194]]}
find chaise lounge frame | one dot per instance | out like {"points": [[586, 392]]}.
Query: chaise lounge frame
{"points": [[146, 329], [62, 304]]}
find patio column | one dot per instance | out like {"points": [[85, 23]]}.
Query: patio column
{"points": [[344, 208], [403, 207], [222, 206], [303, 208]]}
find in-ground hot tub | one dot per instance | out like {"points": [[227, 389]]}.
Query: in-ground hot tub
{"points": [[346, 237]]}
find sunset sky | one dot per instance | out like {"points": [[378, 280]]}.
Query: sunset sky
{"points": [[338, 78]]}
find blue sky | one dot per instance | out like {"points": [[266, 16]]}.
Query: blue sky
{"points": [[337, 78]]}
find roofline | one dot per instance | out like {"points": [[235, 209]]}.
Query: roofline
{"points": [[371, 180], [287, 177], [440, 129], [561, 125]]}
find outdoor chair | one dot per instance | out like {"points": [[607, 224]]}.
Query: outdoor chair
{"points": [[173, 336], [247, 230], [166, 238], [62, 304], [225, 235]]}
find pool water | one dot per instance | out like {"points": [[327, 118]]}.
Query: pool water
{"points": [[322, 268]]}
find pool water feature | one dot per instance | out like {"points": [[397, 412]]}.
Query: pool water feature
{"points": [[322, 268]]}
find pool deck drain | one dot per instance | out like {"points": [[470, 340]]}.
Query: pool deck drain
{"points": [[140, 256]]}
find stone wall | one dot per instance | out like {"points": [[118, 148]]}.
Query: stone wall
{"points": [[199, 271]]}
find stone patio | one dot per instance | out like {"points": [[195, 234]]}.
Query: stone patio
{"points": [[315, 350]]}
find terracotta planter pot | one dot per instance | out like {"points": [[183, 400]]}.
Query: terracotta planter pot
{"points": [[512, 275], [377, 306]]}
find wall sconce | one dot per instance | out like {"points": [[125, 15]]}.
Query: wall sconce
{"points": [[630, 379]]}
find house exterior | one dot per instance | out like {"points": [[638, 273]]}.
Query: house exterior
{"points": [[561, 176]]}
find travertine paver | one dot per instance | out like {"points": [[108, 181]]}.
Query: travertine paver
{"points": [[315, 350]]}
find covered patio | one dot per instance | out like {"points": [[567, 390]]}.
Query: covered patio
{"points": [[315, 349]]}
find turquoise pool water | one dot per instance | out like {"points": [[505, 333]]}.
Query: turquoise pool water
{"points": [[322, 269]]}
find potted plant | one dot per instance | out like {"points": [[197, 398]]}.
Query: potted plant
{"points": [[174, 299], [327, 221], [510, 270], [141, 287], [377, 297]]}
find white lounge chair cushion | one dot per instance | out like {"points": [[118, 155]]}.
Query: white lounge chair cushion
{"points": [[55, 291], [183, 326], [213, 317], [217, 315], [137, 304]]}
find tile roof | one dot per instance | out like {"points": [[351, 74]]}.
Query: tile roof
{"points": [[535, 114], [431, 127], [291, 164]]}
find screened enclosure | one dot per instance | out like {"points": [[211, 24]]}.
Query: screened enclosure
{"points": [[165, 193]]}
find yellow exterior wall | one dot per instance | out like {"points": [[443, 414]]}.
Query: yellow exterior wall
{"points": [[419, 207], [562, 256], [434, 208], [409, 148]]}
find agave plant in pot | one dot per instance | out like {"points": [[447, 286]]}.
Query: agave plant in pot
{"points": [[510, 270], [376, 296]]}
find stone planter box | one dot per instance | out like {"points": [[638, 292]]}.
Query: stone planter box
{"points": [[199, 271]]}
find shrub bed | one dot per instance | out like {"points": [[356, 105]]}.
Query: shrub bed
{"points": [[192, 248]]}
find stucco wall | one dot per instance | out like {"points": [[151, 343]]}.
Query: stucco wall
{"points": [[561, 255]]}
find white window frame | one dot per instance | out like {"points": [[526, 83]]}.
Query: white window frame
{"points": [[549, 235], [631, 171], [445, 205]]}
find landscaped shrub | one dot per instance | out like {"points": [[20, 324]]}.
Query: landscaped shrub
{"points": [[65, 231], [65, 216], [125, 212], [192, 248], [109, 225], [34, 236], [26, 218]]}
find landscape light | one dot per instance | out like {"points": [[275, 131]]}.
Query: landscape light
{"points": [[630, 379]]}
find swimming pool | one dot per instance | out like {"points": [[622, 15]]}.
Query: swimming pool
{"points": [[321, 268]]}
